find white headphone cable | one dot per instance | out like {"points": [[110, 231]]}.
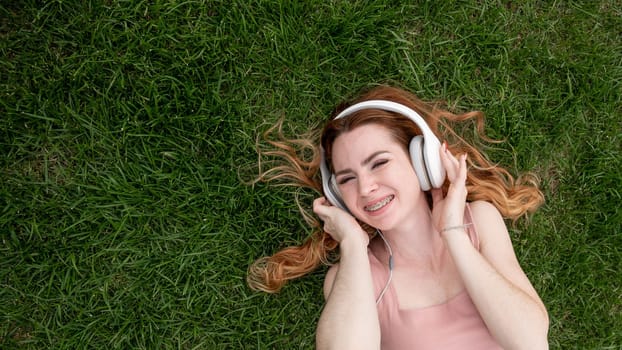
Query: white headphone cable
{"points": [[386, 286]]}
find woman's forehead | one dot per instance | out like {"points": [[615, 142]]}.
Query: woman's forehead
{"points": [[360, 143]]}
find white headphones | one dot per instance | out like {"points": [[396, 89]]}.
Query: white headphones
{"points": [[423, 149]]}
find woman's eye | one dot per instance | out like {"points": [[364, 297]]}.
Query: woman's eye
{"points": [[344, 180], [379, 163]]}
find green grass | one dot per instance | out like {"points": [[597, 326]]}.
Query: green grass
{"points": [[128, 127]]}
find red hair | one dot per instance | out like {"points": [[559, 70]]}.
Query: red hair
{"points": [[485, 180]]}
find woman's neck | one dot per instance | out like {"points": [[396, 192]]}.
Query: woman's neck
{"points": [[415, 240]]}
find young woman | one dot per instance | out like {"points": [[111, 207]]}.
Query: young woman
{"points": [[425, 259]]}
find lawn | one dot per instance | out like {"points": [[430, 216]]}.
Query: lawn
{"points": [[128, 133]]}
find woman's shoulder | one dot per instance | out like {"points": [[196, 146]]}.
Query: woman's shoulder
{"points": [[485, 215], [495, 243], [481, 207], [488, 221]]}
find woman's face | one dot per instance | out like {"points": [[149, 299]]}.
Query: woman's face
{"points": [[375, 176]]}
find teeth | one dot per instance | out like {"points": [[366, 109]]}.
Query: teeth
{"points": [[380, 204]]}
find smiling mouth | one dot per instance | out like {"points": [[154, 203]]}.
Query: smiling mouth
{"points": [[379, 205]]}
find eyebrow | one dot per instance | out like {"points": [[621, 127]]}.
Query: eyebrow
{"points": [[363, 163]]}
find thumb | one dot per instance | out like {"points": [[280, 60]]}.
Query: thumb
{"points": [[437, 195]]}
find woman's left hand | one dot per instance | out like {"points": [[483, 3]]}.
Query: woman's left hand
{"points": [[449, 211]]}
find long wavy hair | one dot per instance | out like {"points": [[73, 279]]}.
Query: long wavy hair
{"points": [[300, 160]]}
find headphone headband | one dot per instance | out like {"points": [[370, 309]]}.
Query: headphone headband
{"points": [[389, 106]]}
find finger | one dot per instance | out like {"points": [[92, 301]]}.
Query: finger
{"points": [[450, 163], [437, 196], [463, 169], [449, 156], [457, 188], [320, 201], [320, 205]]}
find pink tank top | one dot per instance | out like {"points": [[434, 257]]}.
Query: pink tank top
{"points": [[455, 324]]}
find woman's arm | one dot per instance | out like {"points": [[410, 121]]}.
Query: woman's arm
{"points": [[504, 297], [349, 319], [502, 293]]}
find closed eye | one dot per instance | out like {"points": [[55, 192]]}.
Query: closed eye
{"points": [[379, 163], [345, 179]]}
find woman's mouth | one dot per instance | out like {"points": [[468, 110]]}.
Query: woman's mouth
{"points": [[379, 205]]}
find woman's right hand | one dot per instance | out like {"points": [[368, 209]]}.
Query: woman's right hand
{"points": [[339, 223]]}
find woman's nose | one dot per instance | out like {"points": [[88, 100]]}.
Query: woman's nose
{"points": [[367, 185]]}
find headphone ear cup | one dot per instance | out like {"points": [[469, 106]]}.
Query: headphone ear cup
{"points": [[334, 196], [433, 164], [417, 158], [329, 184]]}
